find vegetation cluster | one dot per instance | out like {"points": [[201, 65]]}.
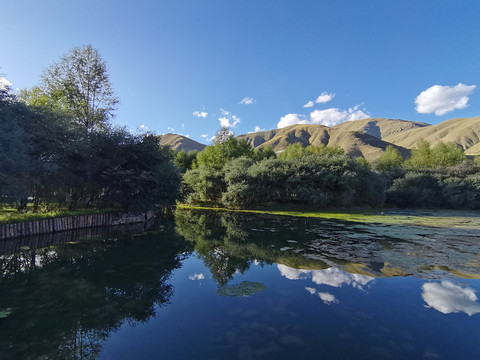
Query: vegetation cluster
{"points": [[58, 149], [232, 174]]}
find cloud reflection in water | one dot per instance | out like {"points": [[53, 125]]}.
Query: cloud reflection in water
{"points": [[331, 276], [447, 298]]}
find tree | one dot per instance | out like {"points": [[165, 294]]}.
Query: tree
{"points": [[15, 145], [186, 161], [296, 150], [448, 154], [79, 82], [222, 135], [391, 158], [421, 157]]}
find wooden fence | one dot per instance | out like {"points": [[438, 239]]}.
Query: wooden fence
{"points": [[52, 225]]}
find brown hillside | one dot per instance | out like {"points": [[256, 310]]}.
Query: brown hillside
{"points": [[355, 143], [474, 150], [179, 142], [379, 127], [464, 132]]}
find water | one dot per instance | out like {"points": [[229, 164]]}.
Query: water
{"points": [[218, 285]]}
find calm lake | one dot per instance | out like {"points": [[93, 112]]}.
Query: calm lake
{"points": [[221, 285]]}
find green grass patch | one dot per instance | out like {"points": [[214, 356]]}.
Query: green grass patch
{"points": [[434, 218], [10, 215]]}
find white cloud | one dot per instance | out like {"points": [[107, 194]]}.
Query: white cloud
{"points": [[197, 276], [247, 101], [228, 120], [143, 128], [327, 117], [334, 116], [447, 298], [204, 136], [5, 84], [443, 99], [324, 98], [291, 119], [170, 129], [327, 298], [200, 114], [225, 122], [309, 104], [257, 129]]}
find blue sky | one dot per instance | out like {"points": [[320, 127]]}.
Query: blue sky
{"points": [[170, 59]]}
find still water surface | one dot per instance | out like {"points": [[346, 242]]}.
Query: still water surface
{"points": [[215, 285]]}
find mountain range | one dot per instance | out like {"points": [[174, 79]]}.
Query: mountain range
{"points": [[367, 137]]}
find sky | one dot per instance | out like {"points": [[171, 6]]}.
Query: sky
{"points": [[190, 67]]}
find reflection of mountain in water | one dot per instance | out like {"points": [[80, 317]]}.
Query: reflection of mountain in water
{"points": [[230, 242], [63, 301], [447, 298]]}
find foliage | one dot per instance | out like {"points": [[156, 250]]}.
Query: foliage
{"points": [[80, 84], [56, 145], [452, 188], [217, 156], [423, 156], [320, 180], [264, 153], [362, 161], [14, 147], [447, 154], [390, 159], [296, 150], [186, 161], [222, 135]]}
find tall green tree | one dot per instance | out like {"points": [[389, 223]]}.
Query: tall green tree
{"points": [[79, 82], [391, 158], [447, 154], [421, 157]]}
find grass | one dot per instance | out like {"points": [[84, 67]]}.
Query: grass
{"points": [[11, 215], [433, 218]]}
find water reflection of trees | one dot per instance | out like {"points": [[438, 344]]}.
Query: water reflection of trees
{"points": [[67, 299], [229, 242]]}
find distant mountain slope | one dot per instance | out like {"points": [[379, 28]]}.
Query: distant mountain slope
{"points": [[179, 142], [379, 127], [355, 143], [474, 150], [464, 132]]}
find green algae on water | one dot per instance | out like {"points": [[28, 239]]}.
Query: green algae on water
{"points": [[245, 288]]}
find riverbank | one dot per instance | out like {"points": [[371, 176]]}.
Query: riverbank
{"points": [[62, 223], [434, 218]]}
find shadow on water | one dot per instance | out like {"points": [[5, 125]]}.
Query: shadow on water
{"points": [[97, 281]]}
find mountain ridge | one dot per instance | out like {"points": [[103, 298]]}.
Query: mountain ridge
{"points": [[367, 137]]}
